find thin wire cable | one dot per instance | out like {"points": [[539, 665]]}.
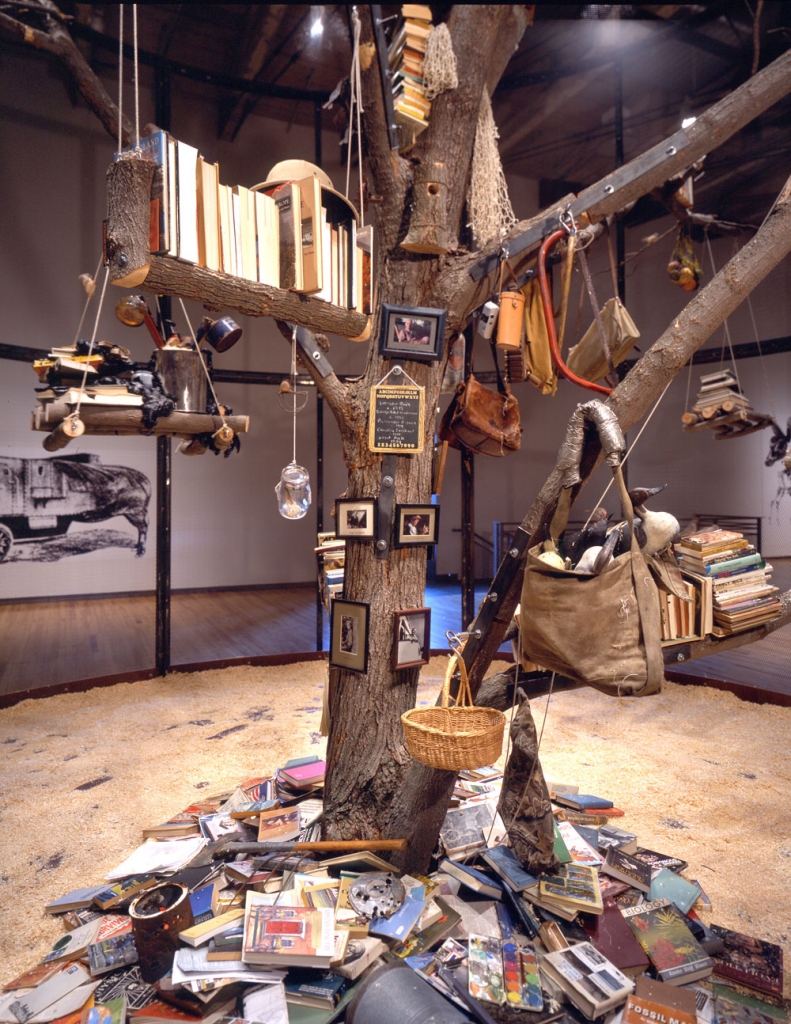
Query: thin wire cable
{"points": [[689, 383], [120, 75], [763, 363], [87, 303], [726, 328], [81, 392], [294, 396], [517, 666], [630, 450], [357, 31], [203, 363], [136, 86]]}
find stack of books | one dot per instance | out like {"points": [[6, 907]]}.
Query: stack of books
{"points": [[406, 54], [331, 561], [719, 393], [678, 618], [64, 369], [742, 595]]}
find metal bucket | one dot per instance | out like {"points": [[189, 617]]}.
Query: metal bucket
{"points": [[183, 378], [394, 994]]}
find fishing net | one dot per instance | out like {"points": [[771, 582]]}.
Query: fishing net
{"points": [[439, 67], [488, 205]]}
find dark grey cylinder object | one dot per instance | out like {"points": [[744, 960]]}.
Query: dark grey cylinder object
{"points": [[394, 994]]}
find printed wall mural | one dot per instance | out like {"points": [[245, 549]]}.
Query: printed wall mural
{"points": [[41, 498]]}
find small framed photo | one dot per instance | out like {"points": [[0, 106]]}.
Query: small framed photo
{"points": [[412, 333], [355, 518], [411, 638], [416, 524], [349, 635]]}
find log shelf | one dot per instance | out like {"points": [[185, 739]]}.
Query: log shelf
{"points": [[124, 421], [729, 423]]}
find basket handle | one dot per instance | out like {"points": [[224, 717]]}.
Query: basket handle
{"points": [[464, 696]]}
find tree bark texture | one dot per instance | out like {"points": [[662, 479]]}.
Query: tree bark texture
{"points": [[128, 204]]}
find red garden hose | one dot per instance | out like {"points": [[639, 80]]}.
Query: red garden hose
{"points": [[546, 301]]}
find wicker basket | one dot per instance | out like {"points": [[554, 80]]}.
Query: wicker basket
{"points": [[464, 736]]}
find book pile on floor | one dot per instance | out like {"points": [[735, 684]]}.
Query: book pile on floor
{"points": [[741, 594], [188, 929], [719, 394], [406, 54]]}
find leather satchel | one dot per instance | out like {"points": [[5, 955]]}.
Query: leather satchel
{"points": [[483, 420]]}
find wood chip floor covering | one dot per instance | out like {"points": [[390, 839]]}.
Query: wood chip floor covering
{"points": [[700, 774]]}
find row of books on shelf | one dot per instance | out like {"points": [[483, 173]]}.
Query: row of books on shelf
{"points": [[732, 580], [406, 55], [295, 235]]}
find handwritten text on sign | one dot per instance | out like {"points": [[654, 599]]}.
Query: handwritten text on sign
{"points": [[397, 415]]}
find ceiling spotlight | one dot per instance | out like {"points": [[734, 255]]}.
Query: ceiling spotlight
{"points": [[317, 27], [688, 121]]}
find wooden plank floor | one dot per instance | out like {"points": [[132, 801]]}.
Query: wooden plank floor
{"points": [[50, 643]]}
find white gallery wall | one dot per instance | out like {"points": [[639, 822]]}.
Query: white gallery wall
{"points": [[226, 529]]}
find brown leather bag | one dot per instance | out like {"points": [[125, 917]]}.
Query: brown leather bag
{"points": [[483, 420]]}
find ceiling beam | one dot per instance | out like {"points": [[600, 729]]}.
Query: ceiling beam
{"points": [[217, 79]]}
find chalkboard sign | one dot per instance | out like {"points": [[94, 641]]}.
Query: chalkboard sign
{"points": [[397, 416]]}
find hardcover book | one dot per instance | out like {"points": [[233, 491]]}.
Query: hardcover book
{"points": [[581, 852], [658, 1002], [590, 981], [472, 878], [627, 868], [465, 828], [749, 961], [673, 887], [671, 947], [575, 887], [613, 938], [505, 862], [109, 954], [287, 936]]}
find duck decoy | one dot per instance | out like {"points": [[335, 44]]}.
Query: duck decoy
{"points": [[656, 529]]}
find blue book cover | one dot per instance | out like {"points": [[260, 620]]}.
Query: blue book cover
{"points": [[314, 988], [670, 886], [472, 878], [506, 864], [201, 903], [401, 923], [584, 802]]}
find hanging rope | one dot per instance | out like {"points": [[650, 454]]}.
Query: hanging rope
{"points": [[355, 110], [81, 391], [440, 71], [87, 302], [120, 75], [136, 87], [726, 328], [761, 357], [490, 210], [294, 395]]}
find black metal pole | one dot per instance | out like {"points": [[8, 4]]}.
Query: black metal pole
{"points": [[467, 537], [163, 554], [164, 458], [319, 499], [317, 133]]}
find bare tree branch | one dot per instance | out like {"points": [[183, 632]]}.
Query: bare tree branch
{"points": [[55, 39]]}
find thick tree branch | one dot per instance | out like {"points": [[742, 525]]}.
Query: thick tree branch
{"points": [[643, 385], [334, 391], [651, 169], [57, 41]]}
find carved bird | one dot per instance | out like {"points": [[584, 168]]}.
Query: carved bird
{"points": [[656, 529]]}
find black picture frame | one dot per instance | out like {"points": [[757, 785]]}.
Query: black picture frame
{"points": [[349, 634], [416, 524], [411, 638], [355, 518], [412, 332]]}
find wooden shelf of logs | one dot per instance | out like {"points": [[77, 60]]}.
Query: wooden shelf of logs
{"points": [[725, 420], [57, 419]]}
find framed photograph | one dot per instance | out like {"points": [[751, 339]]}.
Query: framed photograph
{"points": [[355, 518], [412, 333], [411, 638], [349, 635], [416, 524]]}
